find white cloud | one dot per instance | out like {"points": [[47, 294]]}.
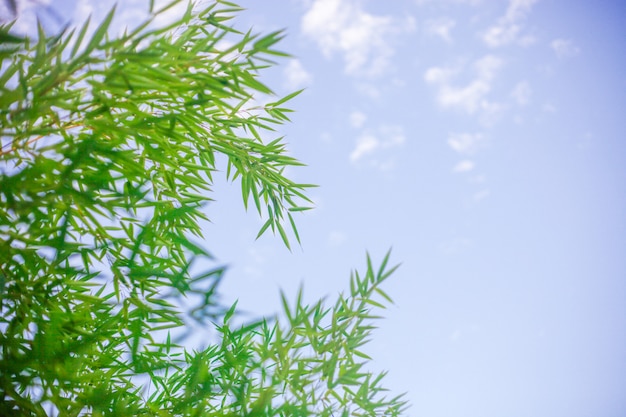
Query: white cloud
{"points": [[509, 27], [488, 66], [296, 76], [357, 119], [522, 93], [481, 195], [256, 260], [564, 48], [365, 144], [470, 2], [170, 15], [501, 34], [439, 74], [369, 90], [441, 27], [386, 137], [468, 98], [27, 16], [343, 26], [518, 9], [128, 14], [472, 97], [393, 136], [465, 143], [464, 166]]}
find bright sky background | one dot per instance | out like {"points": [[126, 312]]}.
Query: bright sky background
{"points": [[484, 141]]}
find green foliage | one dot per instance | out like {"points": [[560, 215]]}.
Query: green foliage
{"points": [[109, 150]]}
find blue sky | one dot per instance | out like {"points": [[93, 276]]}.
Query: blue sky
{"points": [[483, 141]]}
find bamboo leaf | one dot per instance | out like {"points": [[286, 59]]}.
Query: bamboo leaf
{"points": [[100, 32], [79, 39], [283, 235], [294, 228], [285, 99], [265, 226]]}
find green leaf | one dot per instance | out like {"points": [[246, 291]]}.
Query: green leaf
{"points": [[374, 303], [6, 37], [250, 80], [268, 40], [384, 295], [285, 99], [283, 235], [81, 35], [267, 224], [294, 228], [300, 208], [286, 308], [362, 355], [113, 141], [100, 32], [231, 311]]}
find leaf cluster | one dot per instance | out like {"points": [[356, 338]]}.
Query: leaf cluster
{"points": [[309, 361], [109, 149]]}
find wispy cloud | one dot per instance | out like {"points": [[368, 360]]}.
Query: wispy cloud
{"points": [[394, 136], [564, 48], [256, 260], [296, 76], [365, 144], [441, 27], [509, 28], [362, 38], [27, 16], [522, 93], [128, 14], [480, 195], [369, 90], [357, 119], [464, 166], [385, 137], [471, 97], [470, 2], [465, 143]]}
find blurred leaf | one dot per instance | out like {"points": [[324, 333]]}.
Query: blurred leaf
{"points": [[100, 32]]}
